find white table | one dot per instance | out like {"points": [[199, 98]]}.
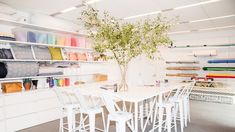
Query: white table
{"points": [[135, 95]]}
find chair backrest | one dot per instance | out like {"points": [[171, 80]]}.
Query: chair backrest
{"points": [[81, 99], [63, 96], [190, 88], [109, 103]]}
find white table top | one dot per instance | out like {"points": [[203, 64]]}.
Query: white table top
{"points": [[134, 93]]}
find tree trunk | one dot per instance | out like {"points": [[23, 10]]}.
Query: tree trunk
{"points": [[123, 84]]}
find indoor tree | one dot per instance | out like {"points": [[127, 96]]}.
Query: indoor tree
{"points": [[125, 40]]}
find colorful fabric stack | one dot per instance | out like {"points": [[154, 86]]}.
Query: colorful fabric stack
{"points": [[7, 36]]}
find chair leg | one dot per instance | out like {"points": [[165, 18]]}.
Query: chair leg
{"points": [[92, 122], [168, 118], [188, 110], [121, 126], [155, 117], [175, 116], [181, 116], [103, 120], [185, 112], [141, 109], [132, 125], [61, 129], [108, 123], [160, 119]]}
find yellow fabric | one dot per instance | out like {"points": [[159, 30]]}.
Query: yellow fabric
{"points": [[219, 74], [55, 53]]}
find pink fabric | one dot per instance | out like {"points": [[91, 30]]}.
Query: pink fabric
{"points": [[74, 41], [82, 42], [67, 41], [72, 56], [81, 56]]}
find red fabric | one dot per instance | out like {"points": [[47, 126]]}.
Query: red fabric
{"points": [[74, 42]]}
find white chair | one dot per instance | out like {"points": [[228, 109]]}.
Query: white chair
{"points": [[90, 111], [186, 102], [69, 108], [120, 117], [181, 100]]}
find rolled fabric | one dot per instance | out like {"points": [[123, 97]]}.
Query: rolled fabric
{"points": [[67, 41], [183, 75], [21, 69], [51, 39], [183, 68], [60, 40], [3, 70], [222, 61], [183, 62], [31, 36], [82, 42], [42, 53], [74, 41], [20, 34], [41, 38], [219, 68]]}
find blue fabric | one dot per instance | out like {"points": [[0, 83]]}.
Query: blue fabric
{"points": [[41, 38], [31, 37], [222, 61]]}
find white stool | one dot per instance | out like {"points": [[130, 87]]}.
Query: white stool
{"points": [[120, 117], [69, 109], [91, 112]]}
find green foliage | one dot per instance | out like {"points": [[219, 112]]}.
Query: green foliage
{"points": [[125, 40]]}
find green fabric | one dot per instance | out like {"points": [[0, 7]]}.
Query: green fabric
{"points": [[219, 68]]}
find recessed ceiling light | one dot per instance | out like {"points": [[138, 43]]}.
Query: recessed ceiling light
{"points": [[68, 9], [170, 9]]}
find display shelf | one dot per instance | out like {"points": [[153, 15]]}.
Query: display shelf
{"points": [[183, 62], [29, 60], [37, 27], [201, 46], [42, 44], [36, 77]]}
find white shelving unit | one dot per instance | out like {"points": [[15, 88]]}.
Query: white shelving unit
{"points": [[42, 44]]}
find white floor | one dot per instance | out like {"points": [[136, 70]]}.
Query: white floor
{"points": [[206, 117]]}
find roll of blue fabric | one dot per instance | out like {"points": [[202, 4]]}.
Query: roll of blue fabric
{"points": [[31, 37], [222, 61]]}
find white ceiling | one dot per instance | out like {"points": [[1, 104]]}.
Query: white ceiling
{"points": [[125, 8]]}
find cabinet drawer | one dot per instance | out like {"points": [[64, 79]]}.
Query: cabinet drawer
{"points": [[47, 104], [1, 114], [49, 115], [20, 98], [2, 126], [20, 109], [15, 124]]}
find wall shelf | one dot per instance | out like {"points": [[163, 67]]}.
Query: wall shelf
{"points": [[42, 44], [37, 77], [37, 27], [70, 61]]}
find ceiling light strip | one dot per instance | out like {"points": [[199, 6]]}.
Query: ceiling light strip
{"points": [[204, 29], [170, 9], [197, 4]]}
